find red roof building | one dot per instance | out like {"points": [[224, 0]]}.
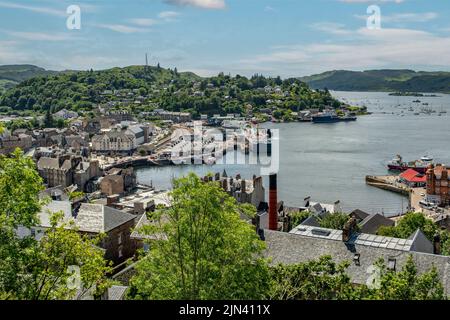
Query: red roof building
{"points": [[413, 179]]}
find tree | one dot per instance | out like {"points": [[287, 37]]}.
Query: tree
{"points": [[298, 217], [61, 251], [406, 284], [204, 251], [331, 221], [314, 280], [48, 121], [31, 269], [323, 279], [408, 225], [334, 221]]}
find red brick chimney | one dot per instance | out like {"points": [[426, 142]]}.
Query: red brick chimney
{"points": [[273, 202]]}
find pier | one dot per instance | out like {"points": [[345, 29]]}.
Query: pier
{"points": [[389, 183], [415, 195]]}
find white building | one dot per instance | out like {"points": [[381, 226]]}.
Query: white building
{"points": [[114, 141]]}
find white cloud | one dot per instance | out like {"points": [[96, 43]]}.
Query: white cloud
{"points": [[371, 1], [405, 17], [269, 9], [37, 9], [385, 48], [143, 22], [38, 36], [205, 4], [121, 28], [330, 27], [168, 14]]}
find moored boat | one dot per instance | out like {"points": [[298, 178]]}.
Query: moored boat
{"points": [[421, 166], [332, 117]]}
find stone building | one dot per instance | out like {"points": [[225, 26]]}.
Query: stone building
{"points": [[57, 171], [176, 117], [118, 181], [112, 184], [66, 170], [84, 172], [92, 220], [438, 179], [114, 142], [8, 143], [244, 191]]}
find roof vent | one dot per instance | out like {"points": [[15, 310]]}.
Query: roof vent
{"points": [[391, 264], [320, 232]]}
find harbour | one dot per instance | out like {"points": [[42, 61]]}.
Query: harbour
{"points": [[330, 162]]}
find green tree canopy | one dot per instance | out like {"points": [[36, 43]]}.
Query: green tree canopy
{"points": [[31, 269], [207, 251], [406, 284]]}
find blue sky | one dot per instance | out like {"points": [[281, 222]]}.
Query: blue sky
{"points": [[273, 37]]}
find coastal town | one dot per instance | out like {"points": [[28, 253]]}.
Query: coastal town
{"points": [[89, 172], [224, 158]]}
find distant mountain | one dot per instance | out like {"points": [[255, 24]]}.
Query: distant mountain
{"points": [[381, 80], [11, 75]]}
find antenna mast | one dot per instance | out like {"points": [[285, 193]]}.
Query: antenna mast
{"points": [[146, 63]]}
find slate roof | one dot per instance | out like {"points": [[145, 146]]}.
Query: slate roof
{"points": [[362, 239], [291, 248], [373, 222], [54, 207], [359, 214], [99, 218], [311, 221], [137, 233], [116, 292], [421, 242], [48, 163]]}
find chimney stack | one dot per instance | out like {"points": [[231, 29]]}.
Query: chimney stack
{"points": [[273, 202], [437, 244], [348, 229]]}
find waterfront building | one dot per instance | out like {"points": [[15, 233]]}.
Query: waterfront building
{"points": [[114, 142], [438, 179], [413, 179]]}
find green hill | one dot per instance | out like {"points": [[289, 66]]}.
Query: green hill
{"points": [[157, 87], [381, 80], [11, 75]]}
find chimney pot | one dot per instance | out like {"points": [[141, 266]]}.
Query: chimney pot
{"points": [[273, 202]]}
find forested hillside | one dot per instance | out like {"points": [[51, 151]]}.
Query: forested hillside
{"points": [[163, 88], [381, 80]]}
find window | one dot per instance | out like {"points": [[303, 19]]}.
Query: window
{"points": [[119, 238], [120, 253]]}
